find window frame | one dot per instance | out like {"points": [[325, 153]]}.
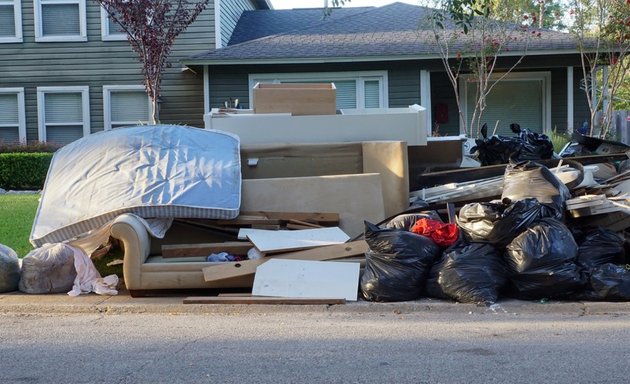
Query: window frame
{"points": [[105, 33], [40, 38], [359, 76], [41, 111], [19, 92], [17, 17], [107, 109], [543, 76]]}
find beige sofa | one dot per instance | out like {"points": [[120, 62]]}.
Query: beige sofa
{"points": [[355, 194]]}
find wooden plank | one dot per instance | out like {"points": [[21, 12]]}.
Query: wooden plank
{"points": [[262, 300], [298, 226], [304, 223], [205, 249], [247, 268], [277, 241], [243, 221], [307, 279], [322, 218]]}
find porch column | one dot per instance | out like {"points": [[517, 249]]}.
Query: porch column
{"points": [[570, 126], [425, 98], [206, 93]]}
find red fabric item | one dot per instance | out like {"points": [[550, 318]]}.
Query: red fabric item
{"points": [[443, 234]]}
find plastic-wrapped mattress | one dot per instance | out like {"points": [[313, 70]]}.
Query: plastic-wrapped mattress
{"points": [[158, 171]]}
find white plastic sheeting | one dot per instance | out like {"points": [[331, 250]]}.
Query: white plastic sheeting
{"points": [[155, 171]]}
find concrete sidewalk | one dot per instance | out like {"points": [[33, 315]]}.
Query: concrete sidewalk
{"points": [[17, 302]]}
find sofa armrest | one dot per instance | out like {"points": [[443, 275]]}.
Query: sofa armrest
{"points": [[135, 238]]}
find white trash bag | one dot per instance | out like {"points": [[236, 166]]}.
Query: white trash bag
{"points": [[48, 269], [9, 269]]}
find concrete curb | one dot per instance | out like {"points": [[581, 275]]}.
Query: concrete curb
{"points": [[20, 303]]}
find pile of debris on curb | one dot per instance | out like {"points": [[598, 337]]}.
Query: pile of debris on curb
{"points": [[540, 227]]}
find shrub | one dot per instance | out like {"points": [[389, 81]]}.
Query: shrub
{"points": [[31, 147], [559, 140], [24, 171]]}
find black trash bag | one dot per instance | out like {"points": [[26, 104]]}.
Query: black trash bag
{"points": [[9, 269], [407, 220], [598, 246], [471, 273], [523, 180], [541, 262], [48, 269], [608, 282], [476, 220], [517, 217], [432, 287], [397, 264], [527, 145]]}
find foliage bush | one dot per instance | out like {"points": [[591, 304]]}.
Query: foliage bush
{"points": [[559, 140], [31, 147], [24, 171]]}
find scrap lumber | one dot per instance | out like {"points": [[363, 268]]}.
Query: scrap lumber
{"points": [[247, 268], [589, 205], [262, 300], [267, 241], [431, 179], [205, 249], [321, 219]]}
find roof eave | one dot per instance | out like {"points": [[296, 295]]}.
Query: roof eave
{"points": [[343, 59]]}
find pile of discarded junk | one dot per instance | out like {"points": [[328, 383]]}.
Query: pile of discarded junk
{"points": [[330, 222]]}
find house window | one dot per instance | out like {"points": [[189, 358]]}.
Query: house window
{"points": [[110, 30], [10, 21], [125, 105], [522, 97], [355, 90], [63, 113], [12, 116], [60, 20]]}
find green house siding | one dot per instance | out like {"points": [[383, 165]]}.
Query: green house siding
{"points": [[95, 63]]}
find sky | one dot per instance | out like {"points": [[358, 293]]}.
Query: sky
{"points": [[288, 4]]}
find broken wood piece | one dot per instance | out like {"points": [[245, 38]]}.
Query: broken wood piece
{"points": [[322, 218], [270, 227], [307, 279], [247, 268], [249, 220], [304, 223], [262, 300], [297, 226], [204, 249]]}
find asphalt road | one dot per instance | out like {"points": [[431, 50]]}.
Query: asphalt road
{"points": [[302, 347]]}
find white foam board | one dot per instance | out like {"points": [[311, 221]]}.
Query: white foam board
{"points": [[307, 279]]}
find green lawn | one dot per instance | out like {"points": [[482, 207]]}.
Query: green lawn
{"points": [[17, 213]]}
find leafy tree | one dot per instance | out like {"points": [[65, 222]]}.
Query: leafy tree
{"points": [[152, 27], [602, 31], [470, 39]]}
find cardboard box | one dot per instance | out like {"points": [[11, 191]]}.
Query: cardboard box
{"points": [[295, 98]]}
